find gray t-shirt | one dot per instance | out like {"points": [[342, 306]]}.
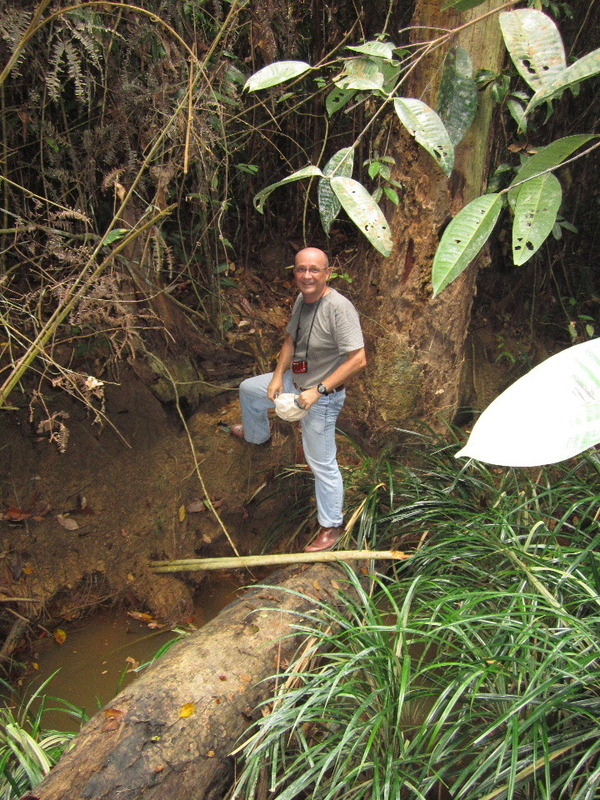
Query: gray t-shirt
{"points": [[324, 333]]}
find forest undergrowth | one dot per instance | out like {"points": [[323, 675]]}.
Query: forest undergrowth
{"points": [[468, 670]]}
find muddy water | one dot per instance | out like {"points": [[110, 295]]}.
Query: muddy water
{"points": [[96, 659]]}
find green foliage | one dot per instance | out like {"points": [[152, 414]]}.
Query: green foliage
{"points": [[536, 210], [342, 163], [534, 44], [274, 74], [373, 70], [364, 212], [463, 239], [27, 750], [457, 95], [427, 128], [471, 671], [535, 47]]}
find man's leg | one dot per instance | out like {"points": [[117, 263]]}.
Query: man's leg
{"points": [[318, 440], [255, 403]]}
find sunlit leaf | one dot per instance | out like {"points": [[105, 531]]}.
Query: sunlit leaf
{"points": [[364, 212], [424, 124], [463, 239], [363, 74], [535, 214], [548, 415], [276, 73], [547, 158], [187, 709], [306, 172], [114, 235], [534, 44], [457, 97], [341, 164], [586, 67], [379, 49], [462, 5], [59, 636], [337, 99]]}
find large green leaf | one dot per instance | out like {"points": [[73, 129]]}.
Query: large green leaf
{"points": [[341, 164], [536, 208], [457, 97], [374, 48], [548, 415], [363, 74], [584, 68], [534, 44], [463, 239], [424, 124], [276, 73], [305, 172], [547, 158], [364, 212]]}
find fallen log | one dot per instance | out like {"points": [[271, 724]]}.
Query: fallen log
{"points": [[170, 733]]}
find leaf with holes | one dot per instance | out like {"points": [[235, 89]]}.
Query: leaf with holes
{"points": [[364, 212], [535, 214], [586, 67], [548, 415], [534, 45], [463, 239], [306, 172], [428, 129], [547, 158], [340, 164], [274, 74], [457, 97], [337, 99]]}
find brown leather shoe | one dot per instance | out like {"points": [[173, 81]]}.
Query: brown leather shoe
{"points": [[325, 540], [237, 430]]}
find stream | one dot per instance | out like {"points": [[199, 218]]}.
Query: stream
{"points": [[98, 657]]}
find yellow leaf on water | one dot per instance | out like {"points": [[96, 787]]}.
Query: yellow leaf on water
{"points": [[187, 709], [60, 637], [181, 513]]}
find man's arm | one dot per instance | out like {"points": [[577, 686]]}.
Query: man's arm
{"points": [[284, 362], [355, 361]]}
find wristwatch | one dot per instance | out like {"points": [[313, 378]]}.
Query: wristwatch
{"points": [[322, 389]]}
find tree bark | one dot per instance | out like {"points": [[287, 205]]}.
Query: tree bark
{"points": [[415, 343], [144, 746]]}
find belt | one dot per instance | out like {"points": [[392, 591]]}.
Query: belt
{"points": [[331, 391]]}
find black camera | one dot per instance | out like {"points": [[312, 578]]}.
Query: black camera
{"points": [[299, 366]]}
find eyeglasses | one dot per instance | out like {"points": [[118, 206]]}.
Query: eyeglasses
{"points": [[310, 270]]}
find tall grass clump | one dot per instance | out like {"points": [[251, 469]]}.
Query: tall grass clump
{"points": [[27, 749], [469, 672]]}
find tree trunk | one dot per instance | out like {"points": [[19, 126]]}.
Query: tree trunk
{"points": [[415, 343], [151, 742]]}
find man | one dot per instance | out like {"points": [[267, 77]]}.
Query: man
{"points": [[323, 348]]}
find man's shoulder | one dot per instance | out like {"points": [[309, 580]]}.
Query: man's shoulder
{"points": [[339, 300]]}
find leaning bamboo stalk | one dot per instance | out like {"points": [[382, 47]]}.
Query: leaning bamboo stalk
{"points": [[235, 562]]}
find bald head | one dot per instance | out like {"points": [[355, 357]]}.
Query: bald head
{"points": [[312, 255]]}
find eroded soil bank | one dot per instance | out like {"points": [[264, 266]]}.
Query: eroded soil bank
{"points": [[79, 527]]}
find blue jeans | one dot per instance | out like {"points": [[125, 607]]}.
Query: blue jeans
{"points": [[318, 439]]}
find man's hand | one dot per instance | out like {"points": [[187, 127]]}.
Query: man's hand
{"points": [[308, 398], [275, 388]]}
